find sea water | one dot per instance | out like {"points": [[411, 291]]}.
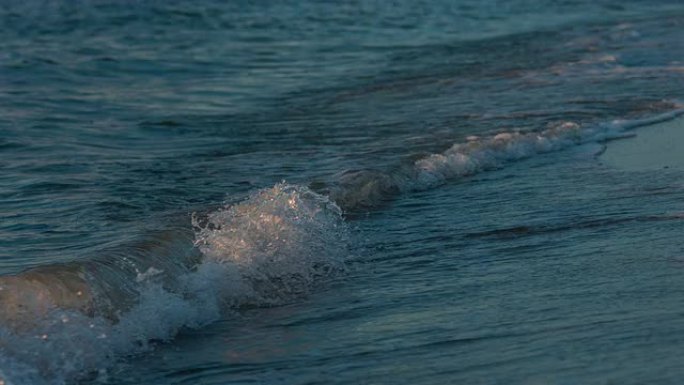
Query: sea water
{"points": [[346, 192]]}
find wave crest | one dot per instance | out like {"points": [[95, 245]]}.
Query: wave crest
{"points": [[268, 249], [280, 239]]}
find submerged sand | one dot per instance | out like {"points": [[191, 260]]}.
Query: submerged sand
{"points": [[653, 147]]}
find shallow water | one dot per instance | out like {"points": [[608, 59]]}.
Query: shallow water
{"points": [[653, 149], [337, 192]]}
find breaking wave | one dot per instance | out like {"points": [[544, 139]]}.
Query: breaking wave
{"points": [[61, 323]]}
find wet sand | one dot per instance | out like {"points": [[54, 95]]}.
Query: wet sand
{"points": [[658, 146]]}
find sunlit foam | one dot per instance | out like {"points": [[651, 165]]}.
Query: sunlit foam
{"points": [[266, 250]]}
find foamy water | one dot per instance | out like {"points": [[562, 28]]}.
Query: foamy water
{"points": [[268, 250]]}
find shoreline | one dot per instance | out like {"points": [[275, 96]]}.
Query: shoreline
{"points": [[653, 147]]}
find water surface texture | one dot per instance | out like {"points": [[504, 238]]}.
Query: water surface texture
{"points": [[305, 192]]}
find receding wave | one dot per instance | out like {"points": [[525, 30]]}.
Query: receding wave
{"points": [[59, 323]]}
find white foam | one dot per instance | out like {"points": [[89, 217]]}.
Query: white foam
{"points": [[280, 239], [268, 249], [366, 188], [482, 154]]}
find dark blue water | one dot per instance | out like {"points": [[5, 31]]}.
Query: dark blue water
{"points": [[337, 192]]}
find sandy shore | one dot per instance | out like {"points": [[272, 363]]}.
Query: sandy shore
{"points": [[656, 146]]}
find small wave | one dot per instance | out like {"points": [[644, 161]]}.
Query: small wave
{"points": [[361, 189], [61, 323]]}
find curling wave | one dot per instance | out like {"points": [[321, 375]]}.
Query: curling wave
{"points": [[60, 323]]}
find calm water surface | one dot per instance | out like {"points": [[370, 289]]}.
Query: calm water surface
{"points": [[337, 192]]}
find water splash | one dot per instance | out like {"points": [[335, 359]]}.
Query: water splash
{"points": [[280, 240], [63, 323]]}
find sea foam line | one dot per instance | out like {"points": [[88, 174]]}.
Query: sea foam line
{"points": [[363, 189], [481, 154]]}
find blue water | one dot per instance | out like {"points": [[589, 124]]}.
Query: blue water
{"points": [[311, 192]]}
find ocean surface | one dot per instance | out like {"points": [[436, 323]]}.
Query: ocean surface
{"points": [[352, 192]]}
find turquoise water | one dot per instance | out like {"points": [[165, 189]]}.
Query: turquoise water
{"points": [[318, 192]]}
